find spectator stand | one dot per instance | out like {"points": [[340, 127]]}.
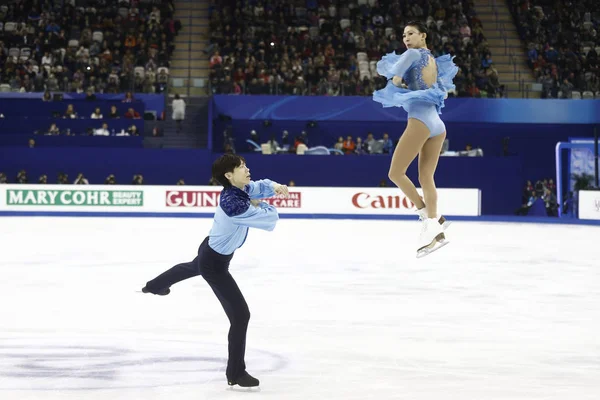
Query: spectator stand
{"points": [[58, 46], [306, 49], [562, 46]]}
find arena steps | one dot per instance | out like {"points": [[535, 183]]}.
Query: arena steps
{"points": [[190, 70], [194, 132], [508, 51]]}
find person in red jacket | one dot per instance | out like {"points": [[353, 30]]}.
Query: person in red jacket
{"points": [[349, 145], [131, 113]]}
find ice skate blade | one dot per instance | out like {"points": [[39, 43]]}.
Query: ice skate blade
{"points": [[446, 224], [237, 388], [434, 246]]}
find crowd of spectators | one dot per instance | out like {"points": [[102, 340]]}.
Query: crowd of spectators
{"points": [[109, 46], [330, 47], [544, 192], [563, 45]]}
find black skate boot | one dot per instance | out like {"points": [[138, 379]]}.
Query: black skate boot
{"points": [[161, 292], [244, 380]]}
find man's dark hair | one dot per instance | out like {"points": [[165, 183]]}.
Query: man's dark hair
{"points": [[224, 164]]}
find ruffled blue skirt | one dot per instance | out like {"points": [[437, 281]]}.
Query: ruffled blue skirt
{"points": [[393, 96]]}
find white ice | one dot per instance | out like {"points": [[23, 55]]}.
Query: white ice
{"points": [[340, 310]]}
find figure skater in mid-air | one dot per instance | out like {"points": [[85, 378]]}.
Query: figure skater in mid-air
{"points": [[239, 210], [419, 83]]}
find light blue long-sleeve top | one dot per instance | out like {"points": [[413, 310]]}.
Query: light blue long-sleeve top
{"points": [[235, 215]]}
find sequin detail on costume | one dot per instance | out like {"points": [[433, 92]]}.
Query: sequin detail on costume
{"points": [[415, 74], [234, 201]]}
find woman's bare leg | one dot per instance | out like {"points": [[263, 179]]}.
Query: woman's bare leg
{"points": [[410, 144], [428, 161]]}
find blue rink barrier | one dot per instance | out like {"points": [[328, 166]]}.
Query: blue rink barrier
{"points": [[499, 178], [492, 218], [526, 128], [13, 104]]}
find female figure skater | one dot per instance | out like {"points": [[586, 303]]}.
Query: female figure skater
{"points": [[418, 83]]}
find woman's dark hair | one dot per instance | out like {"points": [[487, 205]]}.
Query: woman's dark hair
{"points": [[421, 27], [224, 164]]}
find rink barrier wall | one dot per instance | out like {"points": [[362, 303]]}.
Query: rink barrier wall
{"points": [[31, 104], [189, 200], [201, 201], [589, 205], [529, 128], [499, 178]]}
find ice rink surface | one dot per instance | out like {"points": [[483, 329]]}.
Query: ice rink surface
{"points": [[340, 310]]}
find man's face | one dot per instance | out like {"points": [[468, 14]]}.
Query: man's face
{"points": [[240, 176]]}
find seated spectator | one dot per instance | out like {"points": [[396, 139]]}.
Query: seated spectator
{"points": [[524, 209], [132, 114], [138, 180], [3, 178], [487, 62], [47, 96], [114, 114], [47, 60], [133, 131], [53, 130], [369, 142], [22, 177], [216, 59], [128, 98], [89, 95], [97, 114], [110, 180], [62, 179], [349, 146], [360, 147], [70, 112], [340, 144], [102, 131], [388, 145], [81, 180], [273, 145], [551, 203]]}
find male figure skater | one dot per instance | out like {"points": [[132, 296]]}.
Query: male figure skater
{"points": [[239, 210]]}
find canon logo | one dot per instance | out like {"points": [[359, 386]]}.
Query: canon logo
{"points": [[192, 199], [365, 200]]}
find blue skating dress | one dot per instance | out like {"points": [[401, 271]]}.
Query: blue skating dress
{"points": [[420, 101]]}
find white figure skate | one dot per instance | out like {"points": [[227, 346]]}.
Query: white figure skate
{"points": [[432, 236], [441, 220]]}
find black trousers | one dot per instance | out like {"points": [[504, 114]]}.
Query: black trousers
{"points": [[214, 268]]}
